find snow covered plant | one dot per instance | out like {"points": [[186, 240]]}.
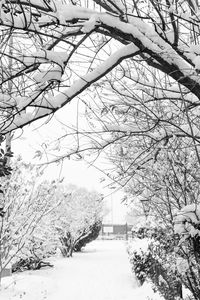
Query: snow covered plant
{"points": [[152, 259], [90, 235], [25, 202], [76, 218], [187, 221], [187, 228]]}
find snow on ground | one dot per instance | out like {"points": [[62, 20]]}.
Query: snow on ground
{"points": [[101, 272]]}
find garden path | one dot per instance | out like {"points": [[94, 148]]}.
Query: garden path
{"points": [[101, 272]]}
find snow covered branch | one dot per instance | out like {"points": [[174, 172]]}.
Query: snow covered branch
{"points": [[46, 47], [51, 104]]}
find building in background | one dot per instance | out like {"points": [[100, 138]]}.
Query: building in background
{"points": [[114, 222]]}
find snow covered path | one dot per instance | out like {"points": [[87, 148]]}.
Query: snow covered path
{"points": [[101, 272], [97, 274]]}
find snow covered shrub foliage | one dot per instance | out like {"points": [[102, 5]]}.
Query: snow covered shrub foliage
{"points": [[91, 235], [152, 259], [138, 251], [40, 245], [75, 218], [187, 228], [25, 202], [30, 263], [41, 216]]}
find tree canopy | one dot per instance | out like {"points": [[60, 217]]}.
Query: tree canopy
{"points": [[53, 51]]}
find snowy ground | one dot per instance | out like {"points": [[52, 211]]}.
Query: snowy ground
{"points": [[101, 272]]}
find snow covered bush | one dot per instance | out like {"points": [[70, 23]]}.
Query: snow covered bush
{"points": [[152, 259], [90, 235], [76, 218], [187, 228], [138, 253], [26, 200], [169, 256], [41, 216], [169, 183], [40, 245]]}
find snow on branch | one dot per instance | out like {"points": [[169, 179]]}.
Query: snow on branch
{"points": [[187, 221], [44, 55], [48, 46], [54, 103], [114, 6]]}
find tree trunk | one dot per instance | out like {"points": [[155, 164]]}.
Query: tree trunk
{"points": [[67, 245]]}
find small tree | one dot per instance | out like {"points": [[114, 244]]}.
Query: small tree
{"points": [[76, 218]]}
